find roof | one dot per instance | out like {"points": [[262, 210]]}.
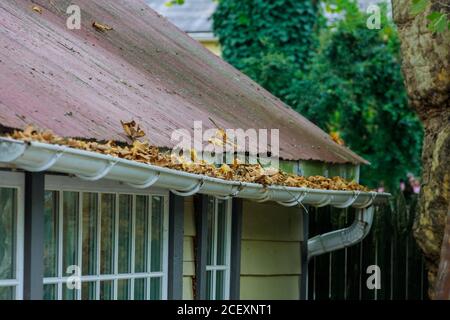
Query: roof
{"points": [[193, 17], [80, 83]]}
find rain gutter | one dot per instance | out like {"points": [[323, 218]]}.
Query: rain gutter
{"points": [[92, 166]]}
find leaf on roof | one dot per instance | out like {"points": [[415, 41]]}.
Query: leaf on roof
{"points": [[101, 27], [336, 137], [143, 152], [37, 9], [132, 129]]}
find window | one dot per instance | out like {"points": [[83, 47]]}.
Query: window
{"points": [[218, 251], [11, 236], [116, 239]]}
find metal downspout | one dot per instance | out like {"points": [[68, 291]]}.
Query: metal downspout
{"points": [[342, 238]]}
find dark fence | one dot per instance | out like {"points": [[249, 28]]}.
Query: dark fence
{"points": [[342, 275]]}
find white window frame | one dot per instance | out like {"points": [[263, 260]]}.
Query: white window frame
{"points": [[227, 267], [71, 184], [15, 180]]}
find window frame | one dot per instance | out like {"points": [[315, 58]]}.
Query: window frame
{"points": [[223, 267], [70, 184], [16, 180]]}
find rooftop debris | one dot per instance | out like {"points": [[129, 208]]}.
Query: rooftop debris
{"points": [[142, 151], [336, 137], [37, 9], [101, 27], [132, 129]]}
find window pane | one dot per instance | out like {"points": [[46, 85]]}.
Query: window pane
{"points": [[123, 289], [141, 234], [70, 230], [7, 234], [89, 230], [209, 289], [125, 223], [68, 294], [221, 233], [155, 289], [51, 212], [210, 244], [157, 233], [7, 293], [220, 285], [107, 234], [140, 288], [50, 291], [88, 291], [106, 290]]}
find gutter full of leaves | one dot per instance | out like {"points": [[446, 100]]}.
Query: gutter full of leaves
{"points": [[144, 152]]}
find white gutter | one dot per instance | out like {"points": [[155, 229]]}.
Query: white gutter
{"points": [[342, 238], [92, 166]]}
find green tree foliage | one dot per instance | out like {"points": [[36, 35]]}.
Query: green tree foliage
{"points": [[267, 40], [345, 78], [355, 87]]}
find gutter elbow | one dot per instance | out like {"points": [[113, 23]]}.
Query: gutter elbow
{"points": [[343, 238]]}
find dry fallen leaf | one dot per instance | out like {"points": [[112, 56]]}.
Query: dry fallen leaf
{"points": [[37, 9], [335, 136], [145, 153], [194, 155], [132, 129], [101, 27]]}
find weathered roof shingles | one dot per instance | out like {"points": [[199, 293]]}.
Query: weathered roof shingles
{"points": [[80, 83]]}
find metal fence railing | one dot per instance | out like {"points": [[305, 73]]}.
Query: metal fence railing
{"points": [[342, 275]]}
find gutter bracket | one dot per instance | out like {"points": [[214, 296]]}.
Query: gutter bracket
{"points": [[233, 194], [47, 165], [100, 174], [189, 192], [148, 183], [265, 197], [296, 201], [369, 201], [349, 202], [327, 200]]}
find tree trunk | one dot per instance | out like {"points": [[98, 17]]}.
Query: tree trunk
{"points": [[426, 69], [443, 280]]}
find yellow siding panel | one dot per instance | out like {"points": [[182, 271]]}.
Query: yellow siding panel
{"points": [[188, 249], [189, 221], [212, 46], [270, 258], [270, 288], [188, 292], [188, 268], [270, 221]]}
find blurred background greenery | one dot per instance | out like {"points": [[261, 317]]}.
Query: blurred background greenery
{"points": [[338, 73]]}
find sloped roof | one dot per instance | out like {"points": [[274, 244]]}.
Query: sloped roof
{"points": [[80, 83], [194, 16]]}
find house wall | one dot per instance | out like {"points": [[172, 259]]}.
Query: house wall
{"points": [[270, 253], [213, 46]]}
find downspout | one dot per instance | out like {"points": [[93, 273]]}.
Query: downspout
{"points": [[342, 238]]}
